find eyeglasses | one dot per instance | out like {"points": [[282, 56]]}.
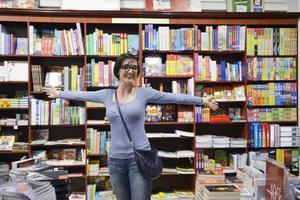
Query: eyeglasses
{"points": [[127, 67]]}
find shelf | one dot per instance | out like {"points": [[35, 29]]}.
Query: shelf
{"points": [[270, 81], [169, 123], [57, 126], [95, 176], [169, 77], [258, 148], [56, 145], [168, 51], [81, 165], [14, 152], [91, 88], [275, 122], [13, 82], [95, 155], [13, 56], [219, 82], [92, 125], [102, 56], [229, 52], [12, 126], [272, 56], [272, 106], [216, 123], [13, 109], [230, 101], [57, 56], [226, 148], [95, 108], [176, 174]]}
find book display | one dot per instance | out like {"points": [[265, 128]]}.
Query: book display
{"points": [[247, 63]]}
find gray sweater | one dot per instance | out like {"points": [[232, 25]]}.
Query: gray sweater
{"points": [[133, 112]]}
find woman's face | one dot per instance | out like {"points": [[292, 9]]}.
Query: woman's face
{"points": [[128, 71]]}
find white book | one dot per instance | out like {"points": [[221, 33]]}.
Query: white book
{"points": [[184, 133]]}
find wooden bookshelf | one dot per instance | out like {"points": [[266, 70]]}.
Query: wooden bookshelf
{"points": [[113, 21]]}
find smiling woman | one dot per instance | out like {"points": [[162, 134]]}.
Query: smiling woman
{"points": [[127, 180]]}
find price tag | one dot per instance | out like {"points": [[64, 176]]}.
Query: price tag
{"points": [[15, 127]]}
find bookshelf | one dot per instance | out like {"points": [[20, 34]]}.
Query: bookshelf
{"points": [[19, 21]]}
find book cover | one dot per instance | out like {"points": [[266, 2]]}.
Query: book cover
{"points": [[69, 154], [222, 189], [7, 142]]}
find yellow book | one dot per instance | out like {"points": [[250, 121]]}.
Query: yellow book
{"points": [[96, 67], [280, 156], [74, 73]]}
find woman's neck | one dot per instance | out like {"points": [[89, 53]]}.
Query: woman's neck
{"points": [[125, 90]]}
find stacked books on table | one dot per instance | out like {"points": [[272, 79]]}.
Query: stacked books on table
{"points": [[214, 141], [217, 192], [4, 170], [27, 190]]}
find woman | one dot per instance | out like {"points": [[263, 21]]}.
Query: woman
{"points": [[127, 182]]}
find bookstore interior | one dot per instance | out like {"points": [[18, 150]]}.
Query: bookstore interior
{"points": [[241, 53]]}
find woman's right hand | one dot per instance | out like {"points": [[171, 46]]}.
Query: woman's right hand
{"points": [[51, 92]]}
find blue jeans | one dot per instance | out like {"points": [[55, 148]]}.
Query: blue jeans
{"points": [[127, 182]]}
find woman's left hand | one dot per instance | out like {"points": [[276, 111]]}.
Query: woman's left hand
{"points": [[208, 101]]}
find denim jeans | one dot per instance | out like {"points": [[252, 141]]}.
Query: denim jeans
{"points": [[127, 182]]}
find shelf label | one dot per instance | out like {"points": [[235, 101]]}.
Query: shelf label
{"points": [[140, 21]]}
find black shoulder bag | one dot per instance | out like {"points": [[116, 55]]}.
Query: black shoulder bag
{"points": [[148, 161]]}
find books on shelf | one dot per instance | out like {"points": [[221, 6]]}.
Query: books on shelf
{"points": [[14, 71], [7, 142], [56, 42], [96, 141], [272, 114], [177, 154]]}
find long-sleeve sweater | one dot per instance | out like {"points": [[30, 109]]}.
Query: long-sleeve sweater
{"points": [[133, 113]]}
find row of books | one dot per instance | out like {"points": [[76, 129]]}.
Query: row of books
{"points": [[55, 112], [92, 194], [164, 38], [101, 43], [183, 87], [273, 135], [158, 113], [221, 115], [14, 102], [14, 71], [207, 69], [271, 41], [271, 68], [56, 42], [96, 141], [63, 78], [177, 154], [272, 94], [100, 74], [271, 114], [223, 38], [175, 195], [10, 44], [175, 65], [59, 154], [222, 93], [214, 141], [21, 120]]}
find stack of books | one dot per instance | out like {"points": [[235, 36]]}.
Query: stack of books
{"points": [[216, 192], [35, 190], [4, 169]]}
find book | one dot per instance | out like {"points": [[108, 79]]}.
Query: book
{"points": [[7, 142], [69, 154], [222, 190]]}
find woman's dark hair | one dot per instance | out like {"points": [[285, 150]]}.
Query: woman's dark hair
{"points": [[121, 59]]}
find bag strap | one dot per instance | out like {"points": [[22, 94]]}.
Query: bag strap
{"points": [[122, 118]]}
